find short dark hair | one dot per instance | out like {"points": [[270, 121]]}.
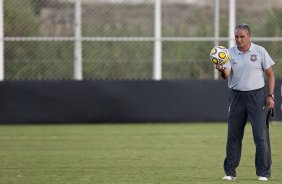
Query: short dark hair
{"points": [[244, 27]]}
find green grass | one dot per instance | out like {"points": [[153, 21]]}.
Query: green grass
{"points": [[126, 154]]}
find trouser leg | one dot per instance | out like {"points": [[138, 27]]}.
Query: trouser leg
{"points": [[263, 152], [257, 115], [236, 126]]}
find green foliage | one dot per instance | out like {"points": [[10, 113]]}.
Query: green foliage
{"points": [[117, 60], [31, 61], [272, 28], [19, 20], [121, 60], [187, 60], [274, 23]]}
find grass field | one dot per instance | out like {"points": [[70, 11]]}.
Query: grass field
{"points": [[172, 153]]}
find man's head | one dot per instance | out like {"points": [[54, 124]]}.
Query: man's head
{"points": [[242, 37]]}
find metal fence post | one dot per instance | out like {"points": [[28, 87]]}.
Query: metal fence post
{"points": [[1, 41], [77, 43], [232, 21], [216, 30], [157, 63]]}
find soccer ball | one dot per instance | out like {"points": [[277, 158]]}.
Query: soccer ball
{"points": [[219, 55]]}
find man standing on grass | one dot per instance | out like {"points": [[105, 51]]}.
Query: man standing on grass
{"points": [[248, 101]]}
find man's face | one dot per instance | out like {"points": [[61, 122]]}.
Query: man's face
{"points": [[242, 39]]}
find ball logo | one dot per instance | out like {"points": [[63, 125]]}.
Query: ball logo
{"points": [[214, 60], [213, 51], [222, 55]]}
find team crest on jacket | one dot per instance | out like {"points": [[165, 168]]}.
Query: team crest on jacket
{"points": [[253, 57]]}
